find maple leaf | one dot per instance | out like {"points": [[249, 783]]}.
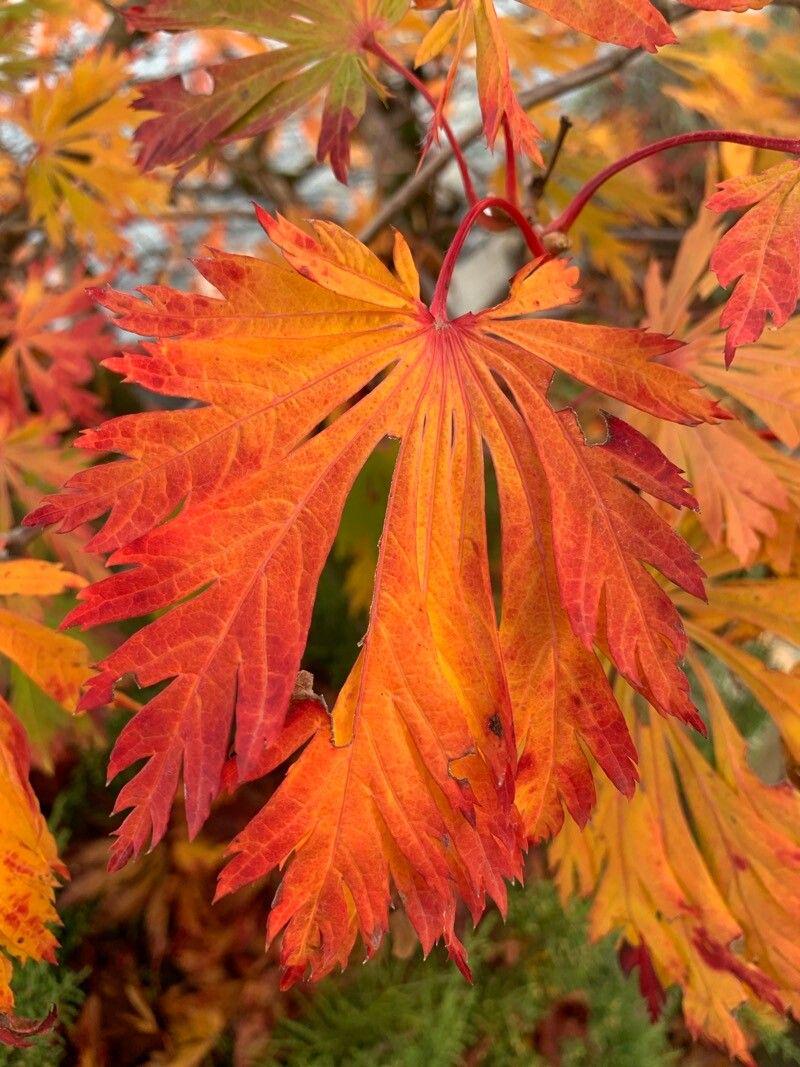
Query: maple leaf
{"points": [[47, 669], [51, 342], [225, 514], [57, 663], [478, 20], [762, 251], [700, 872], [742, 483], [704, 62], [29, 869], [769, 606], [81, 170], [654, 885], [322, 51]]}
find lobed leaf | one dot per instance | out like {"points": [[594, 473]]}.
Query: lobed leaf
{"points": [[51, 342], [477, 19], [222, 516], [632, 23], [744, 485], [29, 869], [81, 177], [321, 50], [699, 873], [762, 251]]}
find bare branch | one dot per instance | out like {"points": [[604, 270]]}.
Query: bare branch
{"points": [[539, 183], [17, 540]]}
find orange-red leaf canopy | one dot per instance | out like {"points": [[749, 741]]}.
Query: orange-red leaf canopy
{"points": [[222, 516], [762, 251]]}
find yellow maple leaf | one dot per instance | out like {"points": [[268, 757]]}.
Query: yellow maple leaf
{"points": [[82, 173], [723, 77], [29, 869], [747, 486], [700, 871], [57, 663], [771, 606]]}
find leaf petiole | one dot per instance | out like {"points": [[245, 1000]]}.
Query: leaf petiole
{"points": [[532, 239], [511, 165], [566, 219], [377, 49]]}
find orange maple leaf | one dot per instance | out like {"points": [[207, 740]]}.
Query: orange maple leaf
{"points": [[477, 19], [52, 340], [29, 868], [743, 483], [225, 514], [633, 23], [762, 251]]}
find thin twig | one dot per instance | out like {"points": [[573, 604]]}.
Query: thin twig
{"points": [[455, 149], [202, 215], [659, 235]]}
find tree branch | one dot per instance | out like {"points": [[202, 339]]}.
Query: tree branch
{"points": [[15, 541]]}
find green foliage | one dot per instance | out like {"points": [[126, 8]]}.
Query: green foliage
{"points": [[538, 979]]}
